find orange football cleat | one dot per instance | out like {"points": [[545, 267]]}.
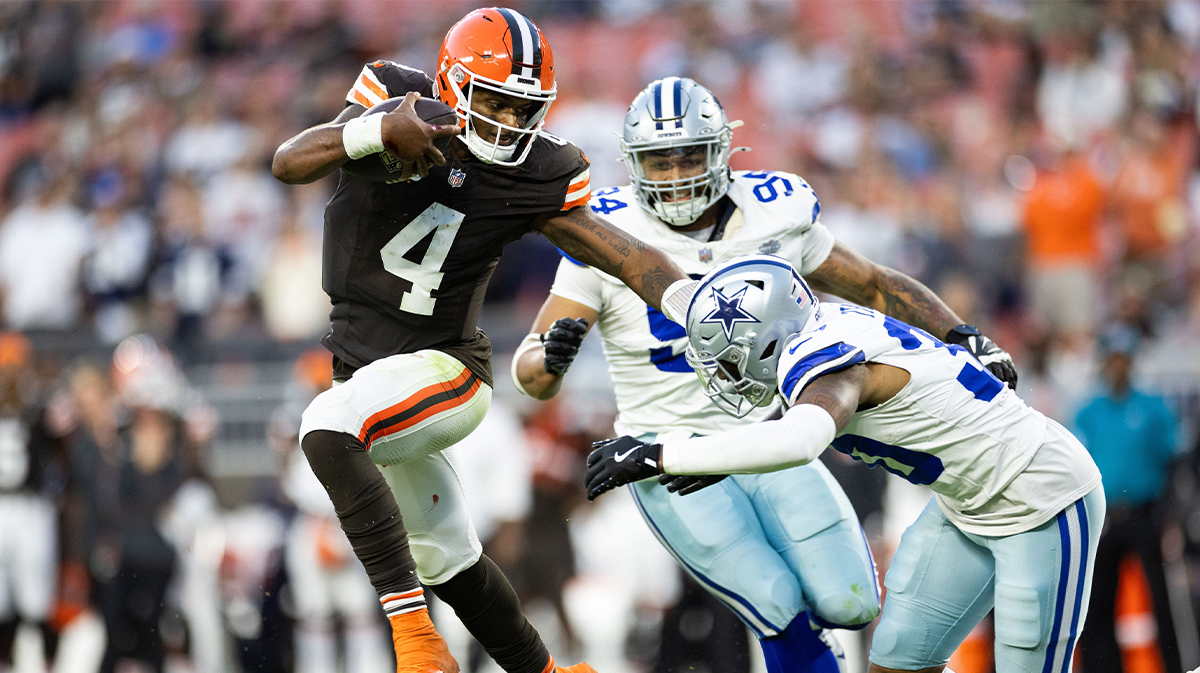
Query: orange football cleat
{"points": [[419, 647], [582, 667]]}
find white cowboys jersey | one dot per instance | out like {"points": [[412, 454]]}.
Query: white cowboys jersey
{"points": [[656, 390], [996, 466]]}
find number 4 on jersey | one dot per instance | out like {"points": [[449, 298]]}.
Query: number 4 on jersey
{"points": [[427, 275]]}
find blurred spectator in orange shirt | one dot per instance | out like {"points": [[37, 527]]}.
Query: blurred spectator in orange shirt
{"points": [[1147, 196], [1062, 221]]}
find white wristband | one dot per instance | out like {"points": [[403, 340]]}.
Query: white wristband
{"points": [[677, 298], [530, 342], [363, 136]]}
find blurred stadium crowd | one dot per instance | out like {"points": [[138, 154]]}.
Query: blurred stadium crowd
{"points": [[1035, 163]]}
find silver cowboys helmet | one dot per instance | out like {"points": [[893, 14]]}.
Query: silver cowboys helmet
{"points": [[743, 312], [671, 114]]}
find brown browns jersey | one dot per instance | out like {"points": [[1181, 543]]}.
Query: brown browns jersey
{"points": [[406, 264]]}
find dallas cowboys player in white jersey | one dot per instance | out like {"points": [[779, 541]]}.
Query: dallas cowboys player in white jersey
{"points": [[1017, 505], [780, 550]]}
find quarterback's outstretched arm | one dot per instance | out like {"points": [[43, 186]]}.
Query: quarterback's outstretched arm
{"points": [[316, 152], [848, 274], [595, 242]]}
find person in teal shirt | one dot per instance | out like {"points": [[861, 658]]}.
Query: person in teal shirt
{"points": [[1131, 436]]}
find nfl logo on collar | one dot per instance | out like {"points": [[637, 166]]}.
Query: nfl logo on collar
{"points": [[705, 254], [456, 178]]}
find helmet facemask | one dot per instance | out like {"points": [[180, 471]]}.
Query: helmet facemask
{"points": [[464, 87], [725, 379], [682, 201]]}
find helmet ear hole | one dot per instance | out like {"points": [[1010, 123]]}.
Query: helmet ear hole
{"points": [[769, 350], [756, 283]]}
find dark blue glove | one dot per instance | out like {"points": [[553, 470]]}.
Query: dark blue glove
{"points": [[620, 461]]}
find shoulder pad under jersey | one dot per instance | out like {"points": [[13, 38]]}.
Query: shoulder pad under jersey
{"points": [[381, 80], [775, 200]]}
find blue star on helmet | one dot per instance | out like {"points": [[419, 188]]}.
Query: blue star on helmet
{"points": [[729, 311]]}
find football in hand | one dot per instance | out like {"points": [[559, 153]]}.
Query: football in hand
{"points": [[385, 166]]}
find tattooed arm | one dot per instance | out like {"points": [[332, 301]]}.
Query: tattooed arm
{"points": [[849, 275], [591, 240]]}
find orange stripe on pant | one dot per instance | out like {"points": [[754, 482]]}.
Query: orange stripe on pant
{"points": [[412, 401]]}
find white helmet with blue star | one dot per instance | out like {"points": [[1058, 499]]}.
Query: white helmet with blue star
{"points": [[742, 313]]}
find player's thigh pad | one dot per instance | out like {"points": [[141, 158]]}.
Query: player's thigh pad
{"points": [[939, 587], [715, 535], [809, 520], [1043, 583], [404, 406], [431, 500]]}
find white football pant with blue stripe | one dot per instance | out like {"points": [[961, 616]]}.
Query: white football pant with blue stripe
{"points": [[943, 581], [770, 546]]}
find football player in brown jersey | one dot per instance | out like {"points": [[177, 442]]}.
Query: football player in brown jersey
{"points": [[406, 265]]}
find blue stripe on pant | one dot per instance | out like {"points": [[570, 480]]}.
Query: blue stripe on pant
{"points": [[1073, 529]]}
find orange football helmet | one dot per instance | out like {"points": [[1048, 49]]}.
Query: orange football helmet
{"points": [[499, 50]]}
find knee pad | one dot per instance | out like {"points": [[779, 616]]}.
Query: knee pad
{"points": [[849, 611], [901, 641], [438, 562]]}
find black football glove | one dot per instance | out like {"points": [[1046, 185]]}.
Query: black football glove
{"points": [[998, 362], [686, 484], [561, 343], [620, 461]]}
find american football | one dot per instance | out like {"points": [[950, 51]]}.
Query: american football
{"points": [[386, 167]]}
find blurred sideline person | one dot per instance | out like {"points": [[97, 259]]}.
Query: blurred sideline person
{"points": [[1131, 435], [1017, 503], [414, 369], [137, 561], [28, 517], [797, 529]]}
